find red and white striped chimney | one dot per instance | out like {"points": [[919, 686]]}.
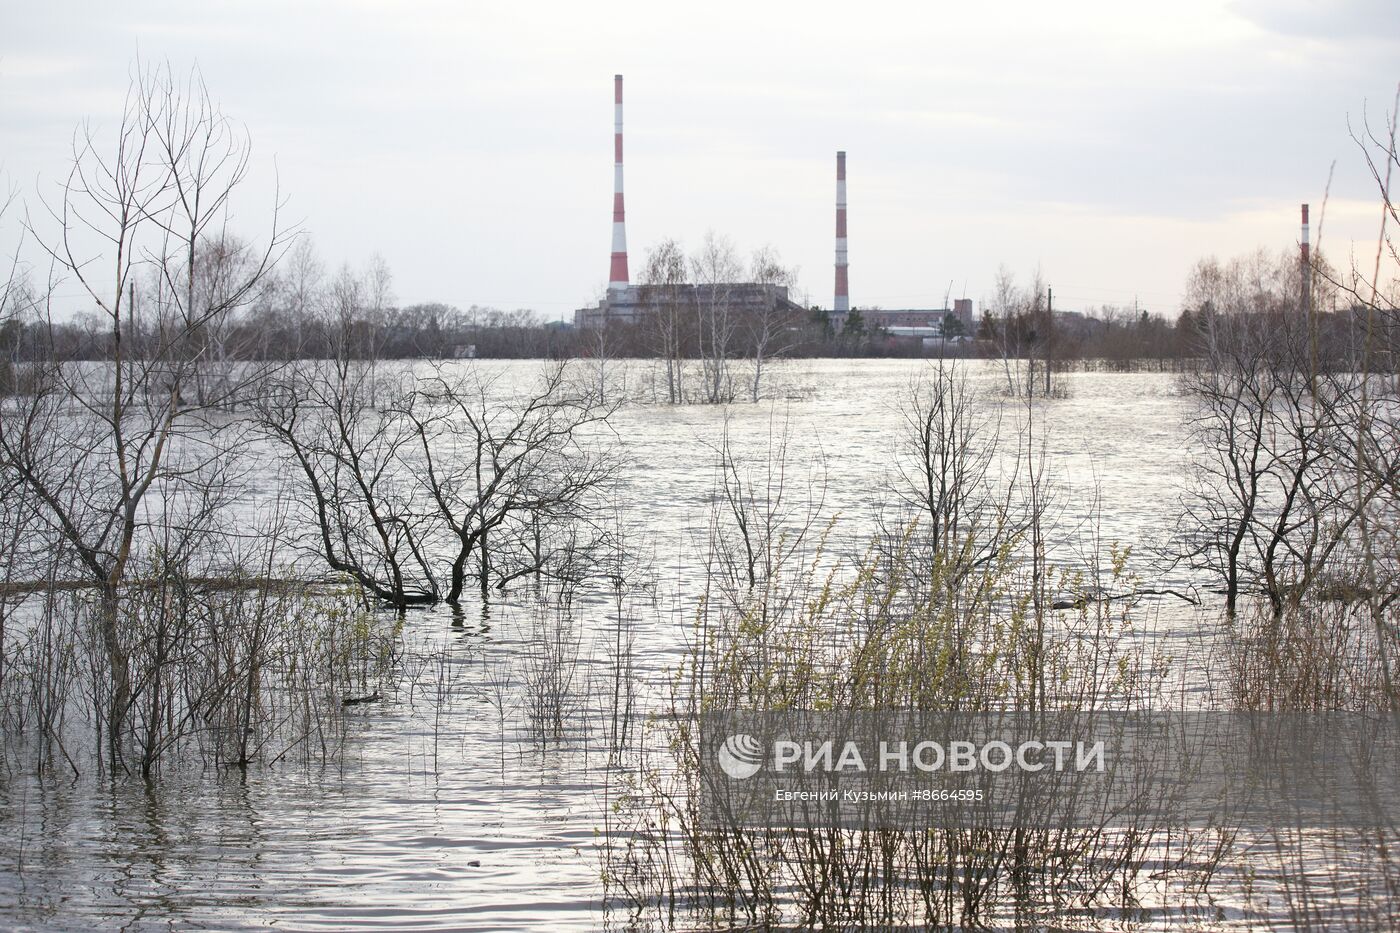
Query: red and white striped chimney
{"points": [[843, 288], [1305, 247], [617, 273]]}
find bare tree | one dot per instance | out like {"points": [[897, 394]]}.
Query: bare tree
{"points": [[602, 344], [670, 314], [302, 283], [223, 268], [945, 456], [772, 328], [347, 461], [1267, 514], [378, 288], [1034, 319], [1018, 323], [276, 325], [715, 268], [506, 476], [91, 444], [303, 276], [20, 554], [352, 319], [1375, 463], [1001, 326], [453, 479]]}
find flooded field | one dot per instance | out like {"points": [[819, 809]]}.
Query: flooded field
{"points": [[448, 809]]}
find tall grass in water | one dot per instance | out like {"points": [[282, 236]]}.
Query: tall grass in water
{"points": [[225, 673], [1320, 655], [966, 625]]}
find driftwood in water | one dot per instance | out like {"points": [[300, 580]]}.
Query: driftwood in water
{"points": [[1084, 599], [209, 584], [355, 701]]}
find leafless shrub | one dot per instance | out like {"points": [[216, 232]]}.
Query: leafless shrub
{"points": [[555, 695], [766, 509], [512, 483], [450, 465], [347, 461], [225, 671]]}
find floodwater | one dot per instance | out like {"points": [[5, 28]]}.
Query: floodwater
{"points": [[446, 812]]}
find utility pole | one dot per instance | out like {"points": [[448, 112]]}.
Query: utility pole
{"points": [[1049, 336]]}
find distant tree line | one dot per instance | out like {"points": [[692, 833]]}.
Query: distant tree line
{"points": [[287, 317], [1020, 327], [692, 317]]}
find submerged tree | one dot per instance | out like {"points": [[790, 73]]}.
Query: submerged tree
{"points": [[99, 449], [448, 479], [346, 454], [669, 313], [771, 328], [513, 482], [944, 465], [1267, 513], [716, 268], [1018, 326]]}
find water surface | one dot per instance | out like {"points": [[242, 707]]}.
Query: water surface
{"points": [[447, 813]]}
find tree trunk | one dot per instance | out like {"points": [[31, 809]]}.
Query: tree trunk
{"points": [[119, 663], [459, 577], [485, 564]]}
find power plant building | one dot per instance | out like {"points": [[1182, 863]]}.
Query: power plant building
{"points": [[625, 303], [628, 304], [907, 322]]}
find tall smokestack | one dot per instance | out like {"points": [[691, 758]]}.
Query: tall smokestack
{"points": [[617, 273], [1305, 251], [1305, 247], [843, 287]]}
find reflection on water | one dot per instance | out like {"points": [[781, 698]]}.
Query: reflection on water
{"points": [[448, 810]]}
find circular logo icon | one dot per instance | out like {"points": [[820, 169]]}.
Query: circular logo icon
{"points": [[741, 756]]}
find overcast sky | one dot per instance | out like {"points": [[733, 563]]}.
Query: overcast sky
{"points": [[470, 143]]}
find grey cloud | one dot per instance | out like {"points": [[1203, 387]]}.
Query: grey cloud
{"points": [[1324, 19]]}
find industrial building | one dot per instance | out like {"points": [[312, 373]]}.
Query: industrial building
{"points": [[625, 303], [631, 303], [908, 322]]}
